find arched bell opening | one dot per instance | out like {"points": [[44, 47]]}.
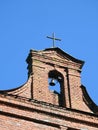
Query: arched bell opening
{"points": [[56, 85]]}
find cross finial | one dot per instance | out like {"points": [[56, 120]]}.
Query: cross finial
{"points": [[53, 38]]}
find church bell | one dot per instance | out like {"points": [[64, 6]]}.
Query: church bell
{"points": [[52, 83]]}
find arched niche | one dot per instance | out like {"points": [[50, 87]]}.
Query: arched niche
{"points": [[56, 85]]}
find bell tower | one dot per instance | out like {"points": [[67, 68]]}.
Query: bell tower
{"points": [[52, 97], [53, 68]]}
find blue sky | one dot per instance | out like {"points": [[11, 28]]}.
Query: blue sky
{"points": [[24, 25]]}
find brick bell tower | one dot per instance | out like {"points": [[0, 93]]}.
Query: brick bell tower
{"points": [[53, 97], [51, 68]]}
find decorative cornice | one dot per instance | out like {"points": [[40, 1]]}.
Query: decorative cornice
{"points": [[50, 109]]}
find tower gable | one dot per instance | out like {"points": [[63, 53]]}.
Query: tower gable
{"points": [[64, 55], [54, 56]]}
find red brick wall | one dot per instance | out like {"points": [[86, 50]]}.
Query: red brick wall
{"points": [[9, 123], [27, 115]]}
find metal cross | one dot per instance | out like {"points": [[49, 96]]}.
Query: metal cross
{"points": [[53, 38]]}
